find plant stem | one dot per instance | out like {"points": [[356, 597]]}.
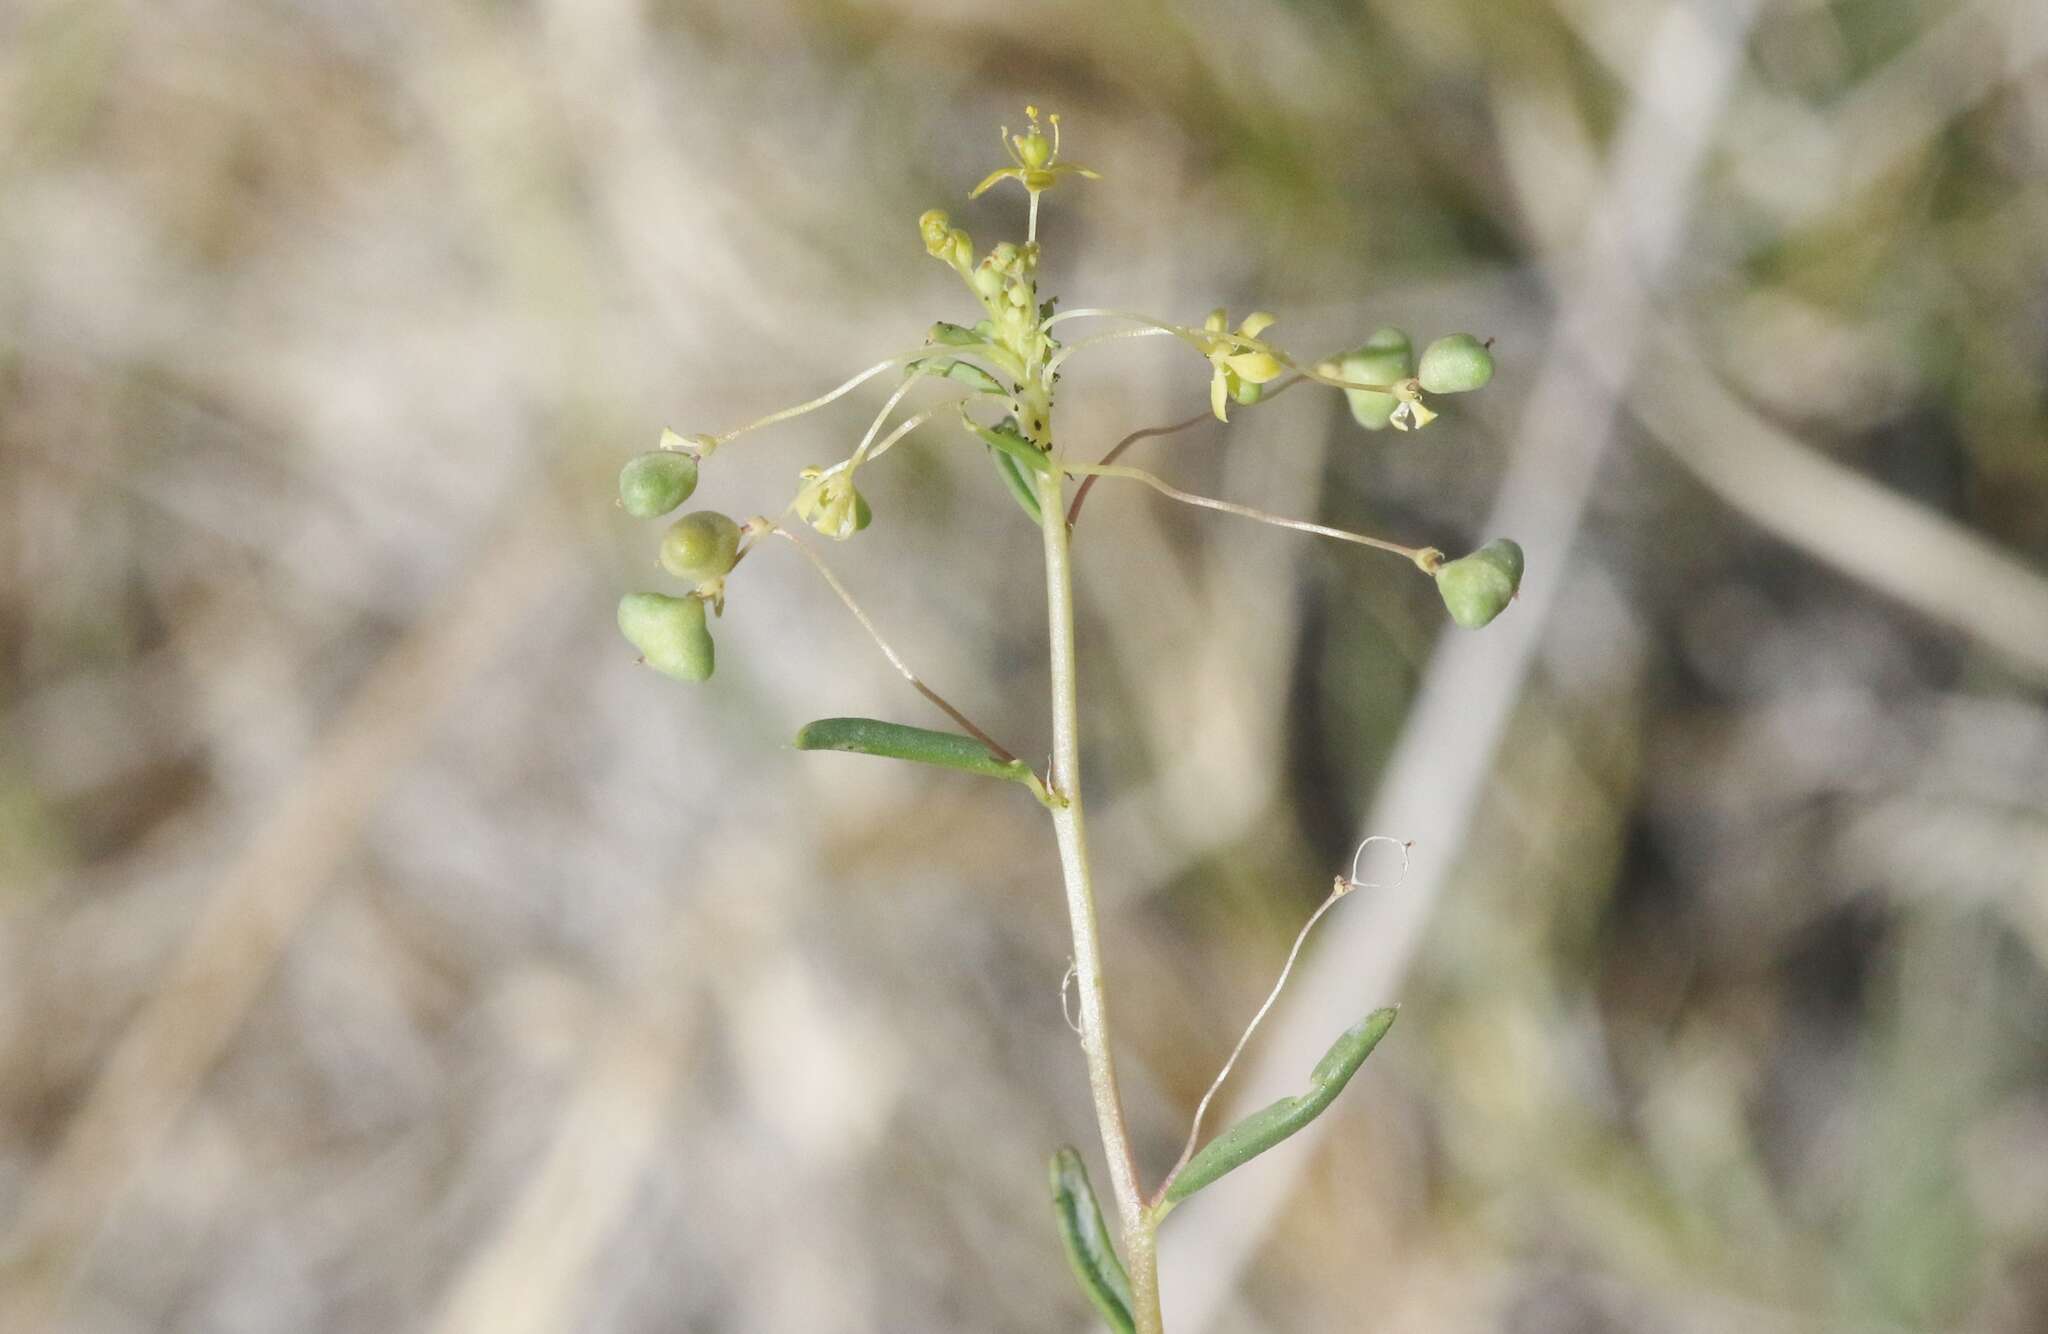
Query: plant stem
{"points": [[1117, 450], [1069, 827], [1426, 559]]}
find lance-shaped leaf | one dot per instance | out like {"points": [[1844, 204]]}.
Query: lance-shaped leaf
{"points": [[1264, 1128], [953, 335], [1005, 436], [948, 750], [1018, 484], [966, 372], [1089, 1251]]}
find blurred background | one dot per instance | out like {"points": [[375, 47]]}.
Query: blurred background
{"points": [[381, 949]]}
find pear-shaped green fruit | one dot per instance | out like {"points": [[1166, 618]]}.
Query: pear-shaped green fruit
{"points": [[1455, 364], [654, 483], [701, 545], [669, 632], [1478, 587], [1387, 356]]}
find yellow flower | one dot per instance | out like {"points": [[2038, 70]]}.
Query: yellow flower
{"points": [[1240, 359], [827, 501], [1038, 159], [1411, 413]]}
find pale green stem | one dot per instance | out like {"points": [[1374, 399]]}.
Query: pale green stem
{"points": [[1070, 349], [1105, 313], [1194, 1140], [914, 425], [821, 400], [875, 427], [1425, 559], [996, 748], [1141, 1259], [1201, 340], [1070, 829]]}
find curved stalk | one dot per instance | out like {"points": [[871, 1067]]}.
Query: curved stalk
{"points": [[1425, 559], [995, 748]]}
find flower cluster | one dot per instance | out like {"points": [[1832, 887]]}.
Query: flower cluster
{"points": [[1001, 373]]}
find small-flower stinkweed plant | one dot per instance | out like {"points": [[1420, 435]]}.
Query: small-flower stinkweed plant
{"points": [[1000, 377]]}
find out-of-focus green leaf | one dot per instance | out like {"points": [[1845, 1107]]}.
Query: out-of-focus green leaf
{"points": [[1089, 1251]]}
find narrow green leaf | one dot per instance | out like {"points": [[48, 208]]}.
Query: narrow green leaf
{"points": [[948, 750], [1089, 1251], [952, 335], [953, 368], [1264, 1128], [1020, 487], [1005, 436]]}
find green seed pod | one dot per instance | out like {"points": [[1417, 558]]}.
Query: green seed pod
{"points": [[669, 632], [1478, 587], [654, 483], [862, 514], [1248, 392], [1386, 357], [1455, 364], [701, 545]]}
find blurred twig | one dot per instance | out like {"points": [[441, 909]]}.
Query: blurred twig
{"points": [[257, 906], [529, 1276], [1905, 550], [1431, 783]]}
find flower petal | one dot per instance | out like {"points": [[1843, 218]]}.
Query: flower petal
{"points": [[1258, 367], [992, 178]]}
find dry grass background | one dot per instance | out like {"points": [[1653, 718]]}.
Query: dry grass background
{"points": [[381, 950]]}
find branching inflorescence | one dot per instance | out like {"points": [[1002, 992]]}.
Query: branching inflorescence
{"points": [[1000, 375]]}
